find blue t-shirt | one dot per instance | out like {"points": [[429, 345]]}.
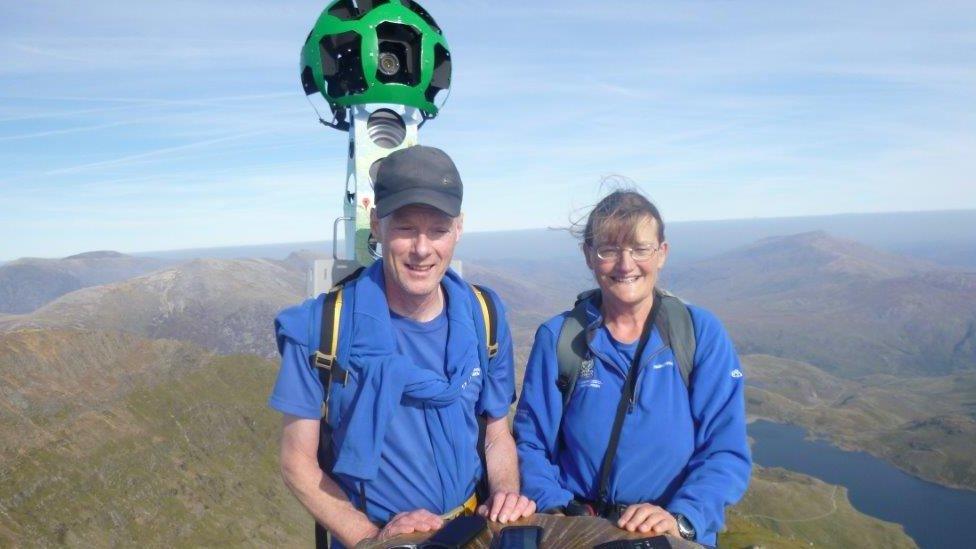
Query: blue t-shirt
{"points": [[625, 351], [409, 476], [413, 483]]}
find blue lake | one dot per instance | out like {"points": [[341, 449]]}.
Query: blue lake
{"points": [[933, 515]]}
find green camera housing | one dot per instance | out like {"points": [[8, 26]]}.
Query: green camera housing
{"points": [[376, 51]]}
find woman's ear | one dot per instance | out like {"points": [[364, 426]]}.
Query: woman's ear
{"points": [[586, 255]]}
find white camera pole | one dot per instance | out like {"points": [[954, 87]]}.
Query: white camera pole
{"points": [[375, 131]]}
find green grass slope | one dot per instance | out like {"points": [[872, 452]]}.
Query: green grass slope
{"points": [[188, 459], [790, 510]]}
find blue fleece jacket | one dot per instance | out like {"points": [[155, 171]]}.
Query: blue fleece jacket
{"points": [[390, 401], [684, 450]]}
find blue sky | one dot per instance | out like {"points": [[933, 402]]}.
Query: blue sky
{"points": [[159, 125]]}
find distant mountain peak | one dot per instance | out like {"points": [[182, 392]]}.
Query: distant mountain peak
{"points": [[818, 239], [306, 255], [98, 254], [828, 253], [809, 236]]}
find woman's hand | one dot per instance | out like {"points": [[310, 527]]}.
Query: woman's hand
{"points": [[647, 518]]}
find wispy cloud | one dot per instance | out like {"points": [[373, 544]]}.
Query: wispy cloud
{"points": [[60, 113], [63, 131], [151, 153]]}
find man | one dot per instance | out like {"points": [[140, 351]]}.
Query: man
{"points": [[404, 415]]}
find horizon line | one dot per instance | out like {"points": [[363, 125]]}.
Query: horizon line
{"points": [[492, 231]]}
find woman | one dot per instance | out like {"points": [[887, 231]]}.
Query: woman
{"points": [[682, 454]]}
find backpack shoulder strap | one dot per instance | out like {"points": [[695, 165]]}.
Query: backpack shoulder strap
{"points": [[571, 347], [325, 363], [325, 355], [489, 312], [673, 322], [678, 331], [324, 358]]}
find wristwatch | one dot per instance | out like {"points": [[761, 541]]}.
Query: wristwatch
{"points": [[685, 528]]}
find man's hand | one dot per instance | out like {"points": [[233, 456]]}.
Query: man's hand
{"points": [[419, 520], [505, 503], [647, 518], [323, 498], [506, 507]]}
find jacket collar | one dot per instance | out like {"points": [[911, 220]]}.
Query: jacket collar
{"points": [[369, 299], [596, 341]]}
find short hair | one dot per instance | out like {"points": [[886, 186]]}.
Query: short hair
{"points": [[617, 216]]}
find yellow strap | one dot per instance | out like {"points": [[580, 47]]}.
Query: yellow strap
{"points": [[465, 509], [332, 353], [471, 505], [484, 313], [335, 324]]}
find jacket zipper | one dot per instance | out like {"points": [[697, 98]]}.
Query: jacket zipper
{"points": [[640, 375], [641, 365]]}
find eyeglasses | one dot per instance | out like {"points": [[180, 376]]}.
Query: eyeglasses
{"points": [[614, 253]]}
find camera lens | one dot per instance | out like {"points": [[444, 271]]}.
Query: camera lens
{"points": [[389, 64]]}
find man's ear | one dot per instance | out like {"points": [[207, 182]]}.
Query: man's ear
{"points": [[374, 223], [459, 227]]}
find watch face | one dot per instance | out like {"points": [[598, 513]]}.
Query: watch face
{"points": [[685, 528]]}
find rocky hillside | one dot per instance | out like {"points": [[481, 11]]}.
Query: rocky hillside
{"points": [[29, 283], [533, 291], [114, 440], [839, 305], [48, 375], [223, 305]]}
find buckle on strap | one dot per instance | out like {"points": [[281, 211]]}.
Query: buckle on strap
{"points": [[492, 350], [324, 361], [328, 363]]}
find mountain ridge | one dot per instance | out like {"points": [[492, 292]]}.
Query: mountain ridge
{"points": [[838, 305], [222, 305], [27, 284]]}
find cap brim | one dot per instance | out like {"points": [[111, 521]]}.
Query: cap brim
{"points": [[443, 202]]}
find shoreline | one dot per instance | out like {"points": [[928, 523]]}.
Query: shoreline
{"points": [[814, 435]]}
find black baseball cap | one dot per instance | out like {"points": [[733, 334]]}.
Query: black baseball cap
{"points": [[418, 175]]}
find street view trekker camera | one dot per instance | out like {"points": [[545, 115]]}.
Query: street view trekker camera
{"points": [[380, 65]]}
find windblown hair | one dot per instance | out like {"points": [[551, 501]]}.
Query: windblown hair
{"points": [[617, 217]]}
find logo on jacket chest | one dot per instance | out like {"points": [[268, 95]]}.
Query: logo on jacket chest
{"points": [[660, 365], [587, 375]]}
